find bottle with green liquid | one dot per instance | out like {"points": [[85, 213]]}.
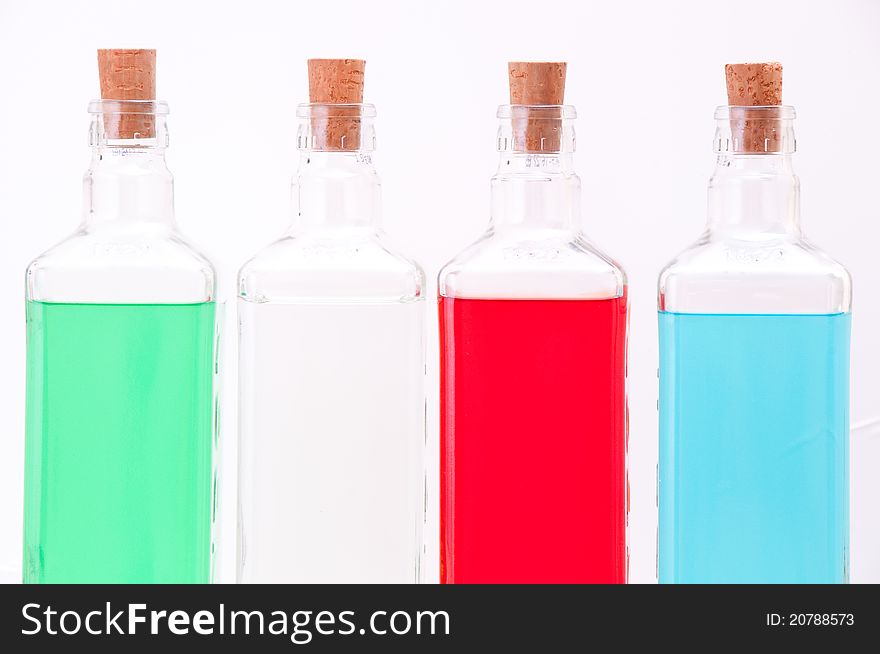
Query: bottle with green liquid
{"points": [[119, 462]]}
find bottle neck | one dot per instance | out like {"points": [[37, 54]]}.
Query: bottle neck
{"points": [[754, 197], [335, 192], [128, 186], [535, 191]]}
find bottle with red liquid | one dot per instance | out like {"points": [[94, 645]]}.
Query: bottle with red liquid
{"points": [[533, 327]]}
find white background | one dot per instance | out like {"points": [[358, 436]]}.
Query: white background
{"points": [[645, 77]]}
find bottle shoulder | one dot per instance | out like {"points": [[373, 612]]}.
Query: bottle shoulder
{"points": [[362, 266], [547, 263], [120, 264], [773, 275]]}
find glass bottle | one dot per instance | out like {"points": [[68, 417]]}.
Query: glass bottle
{"points": [[119, 467], [332, 378], [754, 378], [533, 324]]}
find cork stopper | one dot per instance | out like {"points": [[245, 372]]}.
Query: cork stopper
{"points": [[127, 74], [754, 85], [537, 82], [336, 82], [534, 83]]}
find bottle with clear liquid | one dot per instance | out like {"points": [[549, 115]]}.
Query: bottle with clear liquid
{"points": [[119, 469], [331, 472], [533, 324], [754, 378]]}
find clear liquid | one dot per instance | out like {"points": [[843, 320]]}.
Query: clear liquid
{"points": [[118, 470], [332, 440], [754, 448]]}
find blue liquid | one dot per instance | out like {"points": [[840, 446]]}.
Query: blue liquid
{"points": [[754, 448]]}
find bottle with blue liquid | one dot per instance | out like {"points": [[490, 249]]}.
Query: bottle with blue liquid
{"points": [[754, 370]]}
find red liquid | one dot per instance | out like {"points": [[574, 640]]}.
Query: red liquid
{"points": [[533, 441]]}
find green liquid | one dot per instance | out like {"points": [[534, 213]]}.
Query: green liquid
{"points": [[118, 456]]}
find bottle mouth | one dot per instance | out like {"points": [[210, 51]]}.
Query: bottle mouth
{"points": [[326, 127], [754, 130], [128, 123], [536, 129], [134, 107], [765, 112], [537, 111], [327, 110]]}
